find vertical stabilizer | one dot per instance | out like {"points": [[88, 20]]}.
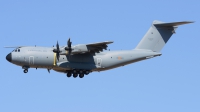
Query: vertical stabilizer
{"points": [[158, 35]]}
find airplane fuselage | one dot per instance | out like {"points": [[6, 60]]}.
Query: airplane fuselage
{"points": [[43, 57], [82, 59]]}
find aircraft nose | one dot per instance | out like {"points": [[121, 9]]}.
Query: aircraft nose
{"points": [[9, 57]]}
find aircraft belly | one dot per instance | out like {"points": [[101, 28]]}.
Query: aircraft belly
{"points": [[77, 61], [74, 65]]}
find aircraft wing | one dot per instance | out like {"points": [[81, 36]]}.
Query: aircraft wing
{"points": [[97, 47], [87, 48]]}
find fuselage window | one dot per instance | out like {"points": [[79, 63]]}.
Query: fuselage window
{"points": [[15, 50], [18, 50]]}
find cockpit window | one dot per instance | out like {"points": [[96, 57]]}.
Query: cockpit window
{"points": [[16, 50]]}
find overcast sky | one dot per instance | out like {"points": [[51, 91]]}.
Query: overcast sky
{"points": [[168, 83]]}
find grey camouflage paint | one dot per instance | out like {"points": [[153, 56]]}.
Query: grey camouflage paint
{"points": [[43, 57]]}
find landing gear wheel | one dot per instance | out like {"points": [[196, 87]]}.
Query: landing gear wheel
{"points": [[80, 71], [74, 71], [75, 75], [87, 72], [69, 74], [25, 70], [81, 75]]}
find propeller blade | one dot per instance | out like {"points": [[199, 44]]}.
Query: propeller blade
{"points": [[69, 51], [57, 46], [57, 51], [58, 56], [69, 43]]}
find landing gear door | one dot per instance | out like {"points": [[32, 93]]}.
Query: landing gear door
{"points": [[99, 61], [31, 60]]}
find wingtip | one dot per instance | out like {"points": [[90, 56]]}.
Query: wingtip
{"points": [[187, 22], [110, 41], [191, 21]]}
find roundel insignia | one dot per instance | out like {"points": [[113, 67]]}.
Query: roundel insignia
{"points": [[119, 57]]}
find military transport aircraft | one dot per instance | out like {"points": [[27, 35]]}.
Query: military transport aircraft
{"points": [[82, 59]]}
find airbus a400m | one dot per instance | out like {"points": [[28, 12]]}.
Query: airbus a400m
{"points": [[82, 59]]}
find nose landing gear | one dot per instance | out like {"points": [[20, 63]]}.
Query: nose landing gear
{"points": [[25, 70]]}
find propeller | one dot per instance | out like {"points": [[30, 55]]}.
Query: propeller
{"points": [[57, 51], [69, 45]]}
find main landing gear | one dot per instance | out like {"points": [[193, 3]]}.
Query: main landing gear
{"points": [[69, 74], [76, 73]]}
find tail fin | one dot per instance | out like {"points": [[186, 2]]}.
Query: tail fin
{"points": [[158, 35]]}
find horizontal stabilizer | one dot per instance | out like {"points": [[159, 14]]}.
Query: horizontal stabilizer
{"points": [[158, 23]]}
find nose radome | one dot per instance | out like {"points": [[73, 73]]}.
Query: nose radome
{"points": [[9, 57]]}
